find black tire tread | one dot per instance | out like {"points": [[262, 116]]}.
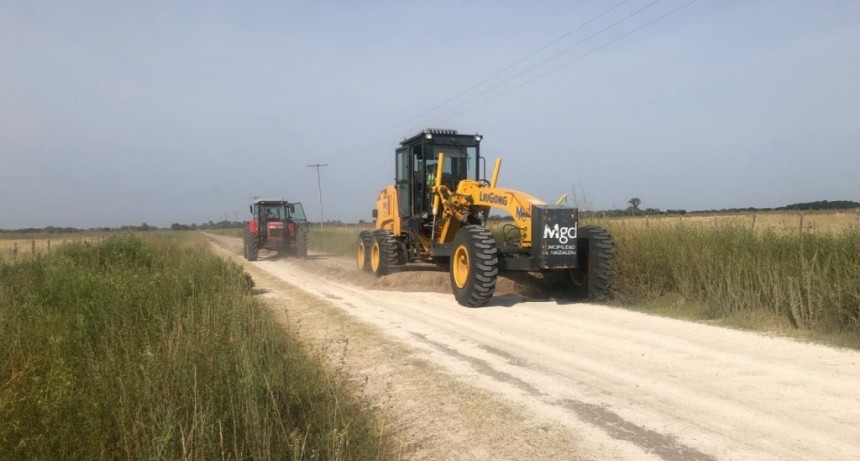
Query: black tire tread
{"points": [[482, 285], [388, 251], [365, 237], [301, 242], [253, 247], [601, 257]]}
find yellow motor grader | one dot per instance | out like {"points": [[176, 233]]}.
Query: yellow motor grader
{"points": [[437, 211]]}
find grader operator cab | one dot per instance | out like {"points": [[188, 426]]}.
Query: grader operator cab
{"points": [[276, 225], [437, 212]]}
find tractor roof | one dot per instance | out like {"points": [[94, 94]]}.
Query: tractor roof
{"points": [[263, 201]]}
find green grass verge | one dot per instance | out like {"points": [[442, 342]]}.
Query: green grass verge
{"points": [[154, 349]]}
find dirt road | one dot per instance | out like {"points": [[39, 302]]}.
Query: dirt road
{"points": [[524, 379]]}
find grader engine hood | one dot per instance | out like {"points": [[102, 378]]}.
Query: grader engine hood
{"points": [[554, 235]]}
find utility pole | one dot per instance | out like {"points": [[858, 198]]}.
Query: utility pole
{"points": [[319, 187]]}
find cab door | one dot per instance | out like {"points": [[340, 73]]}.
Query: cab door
{"points": [[402, 182]]}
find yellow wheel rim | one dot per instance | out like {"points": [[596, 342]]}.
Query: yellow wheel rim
{"points": [[362, 254], [460, 266], [374, 257]]}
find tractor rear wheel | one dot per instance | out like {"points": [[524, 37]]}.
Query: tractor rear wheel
{"points": [[365, 241], [591, 280], [474, 266], [301, 242], [245, 243], [252, 247], [383, 253]]}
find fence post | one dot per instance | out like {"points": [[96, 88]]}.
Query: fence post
{"points": [[33, 247], [15, 252], [49, 246], [801, 222], [752, 228]]}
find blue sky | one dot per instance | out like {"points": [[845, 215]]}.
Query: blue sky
{"points": [[117, 113]]}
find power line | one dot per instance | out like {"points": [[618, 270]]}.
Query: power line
{"points": [[515, 63], [425, 113], [590, 52], [529, 69]]}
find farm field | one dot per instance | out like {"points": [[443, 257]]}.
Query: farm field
{"points": [[22, 246], [773, 221]]}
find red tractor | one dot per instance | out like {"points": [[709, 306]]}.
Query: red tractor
{"points": [[276, 225]]}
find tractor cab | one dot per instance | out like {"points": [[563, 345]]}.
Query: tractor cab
{"points": [[276, 225], [416, 161], [275, 211]]}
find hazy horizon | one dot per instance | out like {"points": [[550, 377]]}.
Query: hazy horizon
{"points": [[117, 114]]}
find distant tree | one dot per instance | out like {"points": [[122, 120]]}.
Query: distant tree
{"points": [[634, 204]]}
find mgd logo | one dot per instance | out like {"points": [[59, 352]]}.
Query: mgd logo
{"points": [[563, 234]]}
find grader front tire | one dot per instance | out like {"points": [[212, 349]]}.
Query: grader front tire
{"points": [[597, 255], [474, 266]]}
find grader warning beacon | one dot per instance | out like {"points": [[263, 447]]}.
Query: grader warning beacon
{"points": [[437, 212]]}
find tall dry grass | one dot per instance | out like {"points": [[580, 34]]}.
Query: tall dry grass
{"points": [[155, 349], [810, 280]]}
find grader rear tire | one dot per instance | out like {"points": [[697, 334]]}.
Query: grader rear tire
{"points": [[383, 253], [474, 266], [365, 241]]}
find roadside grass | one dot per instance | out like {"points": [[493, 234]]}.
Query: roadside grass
{"points": [[802, 282], [771, 276], [336, 240], [155, 349], [232, 232]]}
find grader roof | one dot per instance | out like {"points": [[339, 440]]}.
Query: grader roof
{"points": [[443, 133]]}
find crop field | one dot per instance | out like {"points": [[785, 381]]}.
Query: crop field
{"points": [[791, 272], [779, 222], [19, 246]]}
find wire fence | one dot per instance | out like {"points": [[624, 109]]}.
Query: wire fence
{"points": [[21, 249]]}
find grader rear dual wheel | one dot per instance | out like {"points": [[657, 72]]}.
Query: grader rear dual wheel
{"points": [[377, 252], [383, 253], [474, 266], [365, 241]]}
